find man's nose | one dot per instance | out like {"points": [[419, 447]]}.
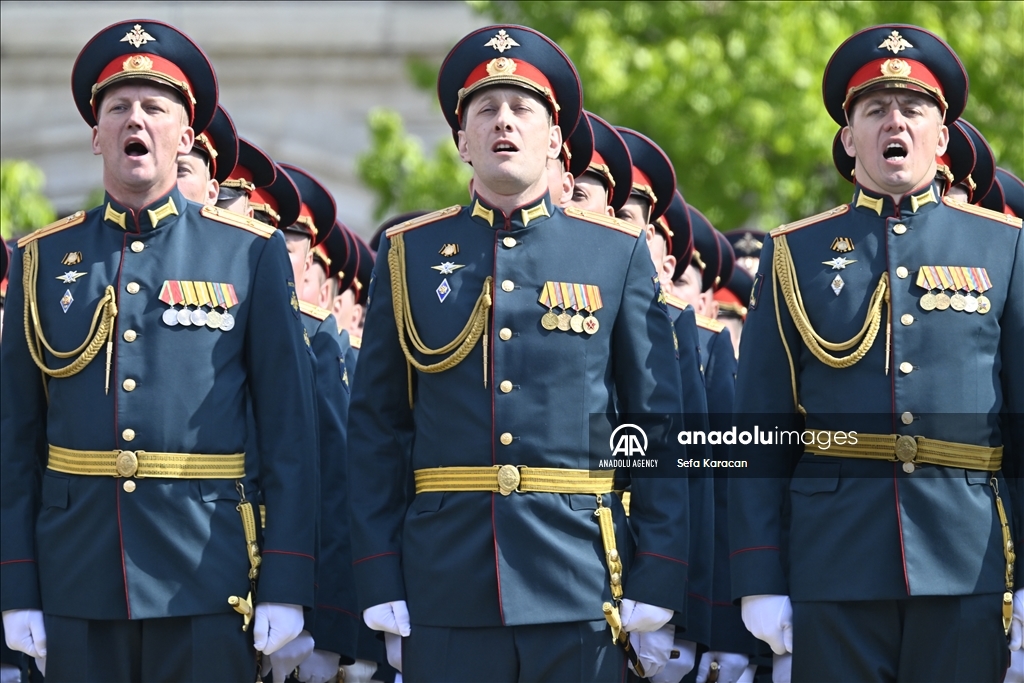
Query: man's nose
{"points": [[135, 115], [895, 120], [503, 121]]}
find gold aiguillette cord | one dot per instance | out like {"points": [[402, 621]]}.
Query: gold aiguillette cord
{"points": [[611, 611]]}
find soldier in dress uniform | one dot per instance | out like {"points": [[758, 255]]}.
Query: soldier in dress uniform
{"points": [[746, 244], [484, 325], [210, 161], [897, 563], [732, 300], [253, 170], [332, 626], [122, 560]]}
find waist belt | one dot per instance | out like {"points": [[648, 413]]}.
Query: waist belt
{"points": [[146, 464], [505, 479], [911, 451]]}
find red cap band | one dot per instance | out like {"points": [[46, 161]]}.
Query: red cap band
{"points": [[148, 67], [895, 72], [506, 70], [265, 202]]}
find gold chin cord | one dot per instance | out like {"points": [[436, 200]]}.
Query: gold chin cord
{"points": [[244, 606], [614, 562], [1008, 553], [101, 331], [460, 347], [784, 277]]}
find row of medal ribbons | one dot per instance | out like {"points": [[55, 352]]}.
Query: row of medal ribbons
{"points": [[197, 294], [955, 279], [570, 296]]}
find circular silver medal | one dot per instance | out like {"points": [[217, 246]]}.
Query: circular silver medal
{"points": [[213, 320], [227, 322], [198, 317], [170, 317], [970, 304], [183, 317]]}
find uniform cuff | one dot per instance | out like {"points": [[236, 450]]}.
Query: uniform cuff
{"points": [[19, 585], [757, 571], [658, 580], [286, 577], [379, 579]]}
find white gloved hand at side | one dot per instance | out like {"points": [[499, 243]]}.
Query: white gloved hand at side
{"points": [[653, 649], [748, 674], [769, 618], [1015, 674], [288, 657], [9, 674], [274, 625], [782, 668], [730, 666], [361, 671], [24, 631], [639, 617], [393, 646], [390, 617], [675, 669], [1017, 625], [321, 666]]}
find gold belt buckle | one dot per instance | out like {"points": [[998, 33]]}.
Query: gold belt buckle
{"points": [[906, 452], [508, 479], [127, 464]]}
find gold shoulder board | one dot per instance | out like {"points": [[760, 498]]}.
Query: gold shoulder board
{"points": [[64, 223], [709, 323], [237, 220], [423, 220], [811, 220], [606, 221], [675, 302], [314, 311], [355, 342], [978, 211]]}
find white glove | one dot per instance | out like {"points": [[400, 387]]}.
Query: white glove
{"points": [[288, 657], [674, 669], [24, 632], [653, 649], [1016, 626], [393, 646], [398, 677], [359, 672], [9, 674], [1015, 674], [782, 668], [639, 617], [320, 667], [769, 618], [748, 674], [730, 666], [390, 617], [274, 625]]}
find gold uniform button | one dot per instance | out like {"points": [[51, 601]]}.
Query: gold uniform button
{"points": [[505, 387], [902, 272], [507, 285], [509, 242], [907, 319], [505, 334], [128, 384], [899, 228], [505, 439], [906, 368], [907, 418], [128, 486], [128, 435], [130, 335], [133, 287], [138, 246]]}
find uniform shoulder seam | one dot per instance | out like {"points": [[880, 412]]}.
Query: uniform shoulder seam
{"points": [[675, 302], [603, 220], [355, 341], [983, 212], [810, 220], [237, 220], [420, 221], [62, 224], [314, 311], [709, 323]]}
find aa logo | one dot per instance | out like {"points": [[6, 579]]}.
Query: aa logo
{"points": [[629, 441]]}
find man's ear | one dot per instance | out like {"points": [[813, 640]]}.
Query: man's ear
{"points": [[668, 267], [554, 142], [95, 143], [846, 135], [188, 136], [463, 145], [649, 232], [212, 192], [940, 148], [568, 185]]}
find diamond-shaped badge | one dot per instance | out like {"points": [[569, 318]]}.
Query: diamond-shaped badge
{"points": [[837, 284], [443, 290], [66, 301]]}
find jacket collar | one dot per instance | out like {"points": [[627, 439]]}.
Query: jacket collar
{"points": [[918, 201], [529, 214], [164, 212]]}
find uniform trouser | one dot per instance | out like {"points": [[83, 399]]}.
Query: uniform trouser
{"points": [[931, 639], [574, 651], [209, 648]]}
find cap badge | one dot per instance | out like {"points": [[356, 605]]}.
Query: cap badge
{"points": [[501, 42], [137, 37], [895, 68], [501, 66], [748, 244], [895, 42], [138, 63]]}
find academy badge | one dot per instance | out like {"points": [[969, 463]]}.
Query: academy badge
{"points": [[443, 290], [66, 301], [838, 284]]}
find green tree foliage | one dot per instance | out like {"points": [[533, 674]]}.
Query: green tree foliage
{"points": [[732, 90], [23, 207]]}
